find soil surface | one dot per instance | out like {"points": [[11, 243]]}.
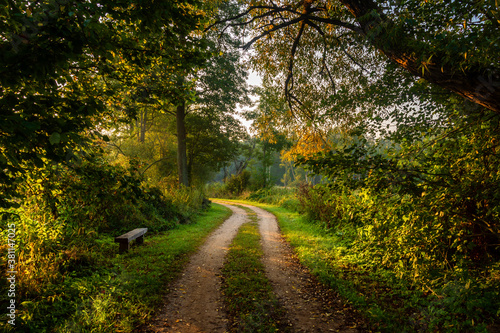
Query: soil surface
{"points": [[194, 303]]}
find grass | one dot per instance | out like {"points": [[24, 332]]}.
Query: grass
{"points": [[123, 291], [248, 295]]}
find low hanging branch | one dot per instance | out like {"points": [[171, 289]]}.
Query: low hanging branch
{"points": [[289, 79], [476, 86], [481, 86]]}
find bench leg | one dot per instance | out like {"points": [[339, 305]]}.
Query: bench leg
{"points": [[140, 240], [124, 246]]}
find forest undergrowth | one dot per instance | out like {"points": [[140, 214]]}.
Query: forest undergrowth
{"points": [[70, 276]]}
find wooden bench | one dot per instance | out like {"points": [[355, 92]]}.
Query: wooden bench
{"points": [[125, 239]]}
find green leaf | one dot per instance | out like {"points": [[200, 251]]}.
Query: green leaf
{"points": [[55, 138]]}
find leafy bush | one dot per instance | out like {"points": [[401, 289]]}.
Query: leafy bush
{"points": [[236, 184], [282, 196], [109, 199], [189, 201], [65, 211], [427, 212]]}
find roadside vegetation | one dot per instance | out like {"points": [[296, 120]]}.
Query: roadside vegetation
{"points": [[383, 293], [90, 287], [248, 296]]}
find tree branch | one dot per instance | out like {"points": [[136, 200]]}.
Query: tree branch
{"points": [[290, 65], [267, 32], [149, 166]]}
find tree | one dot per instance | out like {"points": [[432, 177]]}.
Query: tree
{"points": [[219, 85], [213, 140], [202, 104], [211, 82], [454, 45]]}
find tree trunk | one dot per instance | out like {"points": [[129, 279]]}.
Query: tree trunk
{"points": [[264, 164], [181, 145], [143, 124], [480, 88]]}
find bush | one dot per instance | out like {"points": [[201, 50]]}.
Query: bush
{"points": [[238, 183], [65, 211], [108, 198], [281, 196], [427, 213], [189, 201]]}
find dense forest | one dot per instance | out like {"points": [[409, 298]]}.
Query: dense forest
{"points": [[377, 121]]}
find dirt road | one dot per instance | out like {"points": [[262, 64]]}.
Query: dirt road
{"points": [[194, 304]]}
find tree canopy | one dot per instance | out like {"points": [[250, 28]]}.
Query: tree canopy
{"points": [[340, 60]]}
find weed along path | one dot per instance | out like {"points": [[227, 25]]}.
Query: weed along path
{"points": [[195, 302]]}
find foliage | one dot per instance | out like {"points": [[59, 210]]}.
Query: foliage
{"points": [[57, 60], [189, 200], [425, 211], [213, 140], [199, 117], [238, 183], [281, 196], [66, 211], [98, 196], [452, 176], [315, 50]]}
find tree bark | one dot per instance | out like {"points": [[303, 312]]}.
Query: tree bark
{"points": [[482, 88], [181, 145], [143, 124]]}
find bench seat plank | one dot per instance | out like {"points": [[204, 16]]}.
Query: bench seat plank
{"points": [[131, 235], [125, 239]]}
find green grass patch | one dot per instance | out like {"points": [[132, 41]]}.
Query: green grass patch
{"points": [[248, 295], [120, 292]]}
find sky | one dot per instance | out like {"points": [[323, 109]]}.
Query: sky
{"points": [[253, 80]]}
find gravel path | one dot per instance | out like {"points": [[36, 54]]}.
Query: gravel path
{"points": [[194, 303]]}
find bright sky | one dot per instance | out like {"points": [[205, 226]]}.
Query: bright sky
{"points": [[253, 80]]}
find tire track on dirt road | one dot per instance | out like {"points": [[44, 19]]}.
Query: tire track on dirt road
{"points": [[293, 285]]}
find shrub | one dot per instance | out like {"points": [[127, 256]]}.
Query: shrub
{"points": [[238, 183], [189, 201], [63, 214], [282, 196], [426, 212], [109, 199]]}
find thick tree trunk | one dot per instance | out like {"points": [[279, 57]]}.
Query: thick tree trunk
{"points": [[181, 145], [480, 88]]}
